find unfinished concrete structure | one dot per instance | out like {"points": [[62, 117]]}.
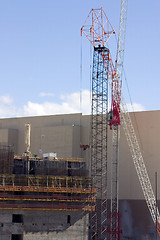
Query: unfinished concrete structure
{"points": [[64, 134]]}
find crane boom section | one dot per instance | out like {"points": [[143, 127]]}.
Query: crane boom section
{"points": [[121, 38], [140, 165], [117, 80]]}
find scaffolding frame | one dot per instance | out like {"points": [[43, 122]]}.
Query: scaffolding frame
{"points": [[6, 159], [46, 193], [45, 182]]}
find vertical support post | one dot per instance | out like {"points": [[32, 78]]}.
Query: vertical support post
{"points": [[92, 29], [114, 215], [47, 182], [3, 179]]}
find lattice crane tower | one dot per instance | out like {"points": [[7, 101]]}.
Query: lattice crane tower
{"points": [[98, 30]]}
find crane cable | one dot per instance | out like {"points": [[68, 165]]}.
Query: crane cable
{"points": [[81, 78], [80, 97], [130, 99], [81, 75], [81, 81]]}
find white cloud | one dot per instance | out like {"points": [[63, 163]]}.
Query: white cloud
{"points": [[135, 107], [6, 106], [78, 103], [46, 94], [69, 103], [6, 99]]}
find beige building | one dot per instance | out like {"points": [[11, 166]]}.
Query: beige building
{"points": [[63, 134]]}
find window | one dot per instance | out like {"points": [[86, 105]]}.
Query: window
{"points": [[17, 237], [68, 219], [69, 169], [17, 218], [19, 193]]}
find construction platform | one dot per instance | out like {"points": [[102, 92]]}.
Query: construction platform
{"points": [[31, 183]]}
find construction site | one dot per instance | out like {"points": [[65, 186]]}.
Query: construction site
{"points": [[83, 177], [50, 196]]}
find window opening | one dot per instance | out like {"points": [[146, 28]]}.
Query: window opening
{"points": [[17, 237], [68, 219], [17, 218]]}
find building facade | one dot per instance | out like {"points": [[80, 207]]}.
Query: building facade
{"points": [[69, 137]]}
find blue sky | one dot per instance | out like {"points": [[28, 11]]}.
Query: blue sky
{"points": [[40, 55]]}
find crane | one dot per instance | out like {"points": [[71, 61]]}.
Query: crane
{"points": [[98, 30], [98, 35], [120, 115]]}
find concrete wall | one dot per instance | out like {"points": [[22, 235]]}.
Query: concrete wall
{"points": [[135, 221], [38, 123], [44, 225], [9, 137], [59, 139]]}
